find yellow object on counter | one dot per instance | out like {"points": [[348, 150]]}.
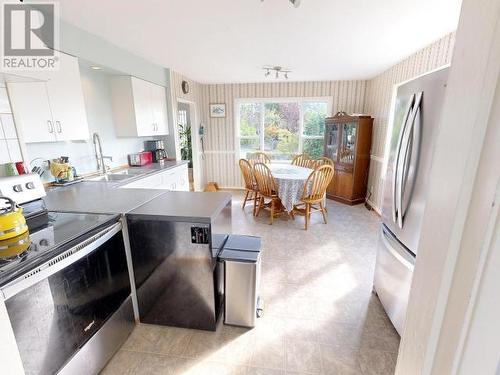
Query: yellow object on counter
{"points": [[60, 171]]}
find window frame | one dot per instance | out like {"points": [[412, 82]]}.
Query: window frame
{"points": [[262, 101]]}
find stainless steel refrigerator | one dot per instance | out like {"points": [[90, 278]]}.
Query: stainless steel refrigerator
{"points": [[415, 126]]}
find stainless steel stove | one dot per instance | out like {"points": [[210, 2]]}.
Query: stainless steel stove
{"points": [[64, 285]]}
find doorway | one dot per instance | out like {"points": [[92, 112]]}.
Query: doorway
{"points": [[185, 128]]}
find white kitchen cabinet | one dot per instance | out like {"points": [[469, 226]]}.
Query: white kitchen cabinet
{"points": [[182, 178], [139, 107], [67, 103], [174, 179], [52, 110], [159, 105], [150, 182], [143, 106], [31, 110]]}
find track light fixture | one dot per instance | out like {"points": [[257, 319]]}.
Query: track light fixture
{"points": [[279, 71]]}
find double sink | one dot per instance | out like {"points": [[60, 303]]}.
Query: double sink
{"points": [[123, 175]]}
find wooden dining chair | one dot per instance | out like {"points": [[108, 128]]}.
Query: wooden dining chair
{"points": [[267, 189], [259, 157], [302, 160], [314, 193], [251, 190], [321, 161]]}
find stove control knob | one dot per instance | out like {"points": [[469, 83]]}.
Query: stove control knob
{"points": [[17, 188], [30, 185]]}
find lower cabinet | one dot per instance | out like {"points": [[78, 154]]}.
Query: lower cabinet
{"points": [[175, 179]]}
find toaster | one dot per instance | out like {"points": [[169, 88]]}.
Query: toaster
{"points": [[141, 158]]}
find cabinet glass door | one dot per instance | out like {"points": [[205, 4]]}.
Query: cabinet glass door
{"points": [[332, 141], [348, 142]]}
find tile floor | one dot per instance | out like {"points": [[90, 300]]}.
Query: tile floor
{"points": [[320, 316]]}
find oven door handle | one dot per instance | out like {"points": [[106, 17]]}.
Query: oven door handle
{"points": [[63, 260]]}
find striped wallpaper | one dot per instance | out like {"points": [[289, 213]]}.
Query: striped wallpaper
{"points": [[378, 100], [195, 95], [221, 159], [372, 97]]}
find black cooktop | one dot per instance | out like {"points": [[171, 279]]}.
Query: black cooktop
{"points": [[49, 234]]}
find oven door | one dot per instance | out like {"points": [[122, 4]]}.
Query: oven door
{"points": [[56, 308]]}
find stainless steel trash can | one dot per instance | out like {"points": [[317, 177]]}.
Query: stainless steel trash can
{"points": [[242, 267], [218, 241]]}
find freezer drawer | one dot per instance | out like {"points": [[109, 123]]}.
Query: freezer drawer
{"points": [[393, 276]]}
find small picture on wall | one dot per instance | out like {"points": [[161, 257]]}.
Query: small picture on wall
{"points": [[218, 110]]}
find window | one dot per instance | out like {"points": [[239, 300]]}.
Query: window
{"points": [[281, 127]]}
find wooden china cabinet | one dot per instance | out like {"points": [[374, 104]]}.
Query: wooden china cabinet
{"points": [[347, 142]]}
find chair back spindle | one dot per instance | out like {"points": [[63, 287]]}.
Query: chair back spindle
{"points": [[317, 183], [259, 157], [247, 172], [302, 160], [265, 180]]}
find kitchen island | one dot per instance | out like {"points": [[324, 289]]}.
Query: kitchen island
{"points": [[174, 266]]}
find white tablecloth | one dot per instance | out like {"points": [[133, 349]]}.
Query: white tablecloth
{"points": [[290, 180]]}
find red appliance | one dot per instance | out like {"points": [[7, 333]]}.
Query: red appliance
{"points": [[141, 158]]}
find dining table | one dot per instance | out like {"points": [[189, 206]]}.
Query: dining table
{"points": [[290, 180]]}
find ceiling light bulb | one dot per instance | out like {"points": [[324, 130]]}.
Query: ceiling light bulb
{"points": [[95, 67]]}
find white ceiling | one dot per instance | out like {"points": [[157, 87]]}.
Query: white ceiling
{"points": [[224, 41]]}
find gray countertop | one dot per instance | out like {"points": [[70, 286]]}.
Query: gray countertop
{"points": [[107, 197], [149, 170], [183, 206], [98, 197], [157, 167]]}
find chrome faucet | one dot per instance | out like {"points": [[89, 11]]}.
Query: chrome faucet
{"points": [[98, 153]]}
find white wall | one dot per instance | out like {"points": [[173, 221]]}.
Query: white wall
{"points": [[90, 47], [9, 144], [194, 97], [97, 97]]}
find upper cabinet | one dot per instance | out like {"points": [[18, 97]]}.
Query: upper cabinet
{"points": [[51, 109], [139, 107]]}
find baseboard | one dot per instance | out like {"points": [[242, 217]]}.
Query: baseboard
{"points": [[377, 210]]}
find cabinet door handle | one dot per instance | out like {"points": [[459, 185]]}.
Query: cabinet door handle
{"points": [[59, 128], [50, 126]]}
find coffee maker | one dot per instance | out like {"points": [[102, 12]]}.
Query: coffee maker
{"points": [[157, 148]]}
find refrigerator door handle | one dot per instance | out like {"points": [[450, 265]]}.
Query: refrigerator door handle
{"points": [[407, 138], [392, 246], [395, 209]]}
